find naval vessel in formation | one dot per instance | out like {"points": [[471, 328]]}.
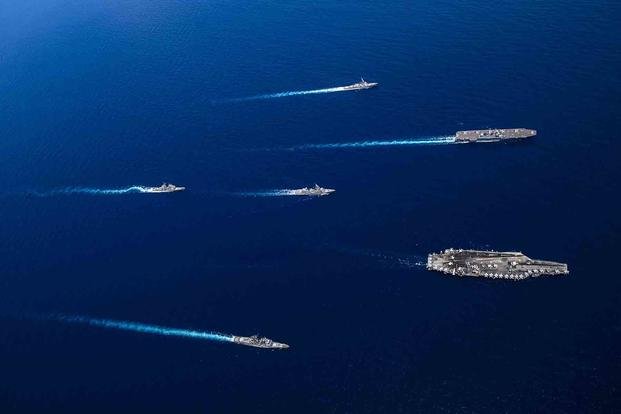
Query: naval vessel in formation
{"points": [[258, 342], [490, 264], [164, 188], [312, 191], [360, 85], [493, 135]]}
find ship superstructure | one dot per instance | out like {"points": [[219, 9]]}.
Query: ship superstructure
{"points": [[258, 342], [360, 85], [315, 191], [493, 135], [491, 264], [164, 188]]}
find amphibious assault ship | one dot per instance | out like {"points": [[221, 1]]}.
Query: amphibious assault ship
{"points": [[164, 188], [360, 85], [490, 264], [258, 342], [312, 191], [493, 135]]}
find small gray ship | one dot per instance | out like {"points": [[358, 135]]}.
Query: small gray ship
{"points": [[493, 135], [164, 188], [258, 342], [315, 191], [360, 85], [491, 264]]}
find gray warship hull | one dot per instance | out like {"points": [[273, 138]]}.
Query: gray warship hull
{"points": [[257, 342], [315, 191], [357, 87], [310, 193], [493, 135], [164, 188], [493, 265], [158, 191]]}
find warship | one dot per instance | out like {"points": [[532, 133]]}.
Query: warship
{"points": [[491, 264], [311, 191], [258, 342], [164, 188], [493, 135], [360, 85]]}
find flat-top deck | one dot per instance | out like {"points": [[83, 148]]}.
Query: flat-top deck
{"points": [[495, 265], [492, 135]]}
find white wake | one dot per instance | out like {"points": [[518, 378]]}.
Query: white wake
{"points": [[444, 140], [268, 193], [287, 94], [144, 328], [94, 191]]}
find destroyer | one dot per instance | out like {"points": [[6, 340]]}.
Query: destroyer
{"points": [[360, 85], [490, 264], [164, 188], [315, 191], [493, 135], [258, 342]]}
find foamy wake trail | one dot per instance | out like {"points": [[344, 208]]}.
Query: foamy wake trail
{"points": [[268, 193], [389, 143], [144, 328], [388, 259], [288, 94], [93, 191]]}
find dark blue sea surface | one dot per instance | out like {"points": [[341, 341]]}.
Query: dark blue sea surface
{"points": [[109, 95]]}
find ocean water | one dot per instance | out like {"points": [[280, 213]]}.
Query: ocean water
{"points": [[235, 99]]}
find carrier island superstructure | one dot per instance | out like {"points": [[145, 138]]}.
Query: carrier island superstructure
{"points": [[493, 135], [491, 264]]}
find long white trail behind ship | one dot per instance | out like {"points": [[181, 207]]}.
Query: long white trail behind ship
{"points": [[143, 328], [391, 260], [268, 193], [288, 94], [379, 143], [93, 191]]}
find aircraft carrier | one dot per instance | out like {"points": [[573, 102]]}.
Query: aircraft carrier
{"points": [[493, 265], [493, 135], [258, 342]]}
